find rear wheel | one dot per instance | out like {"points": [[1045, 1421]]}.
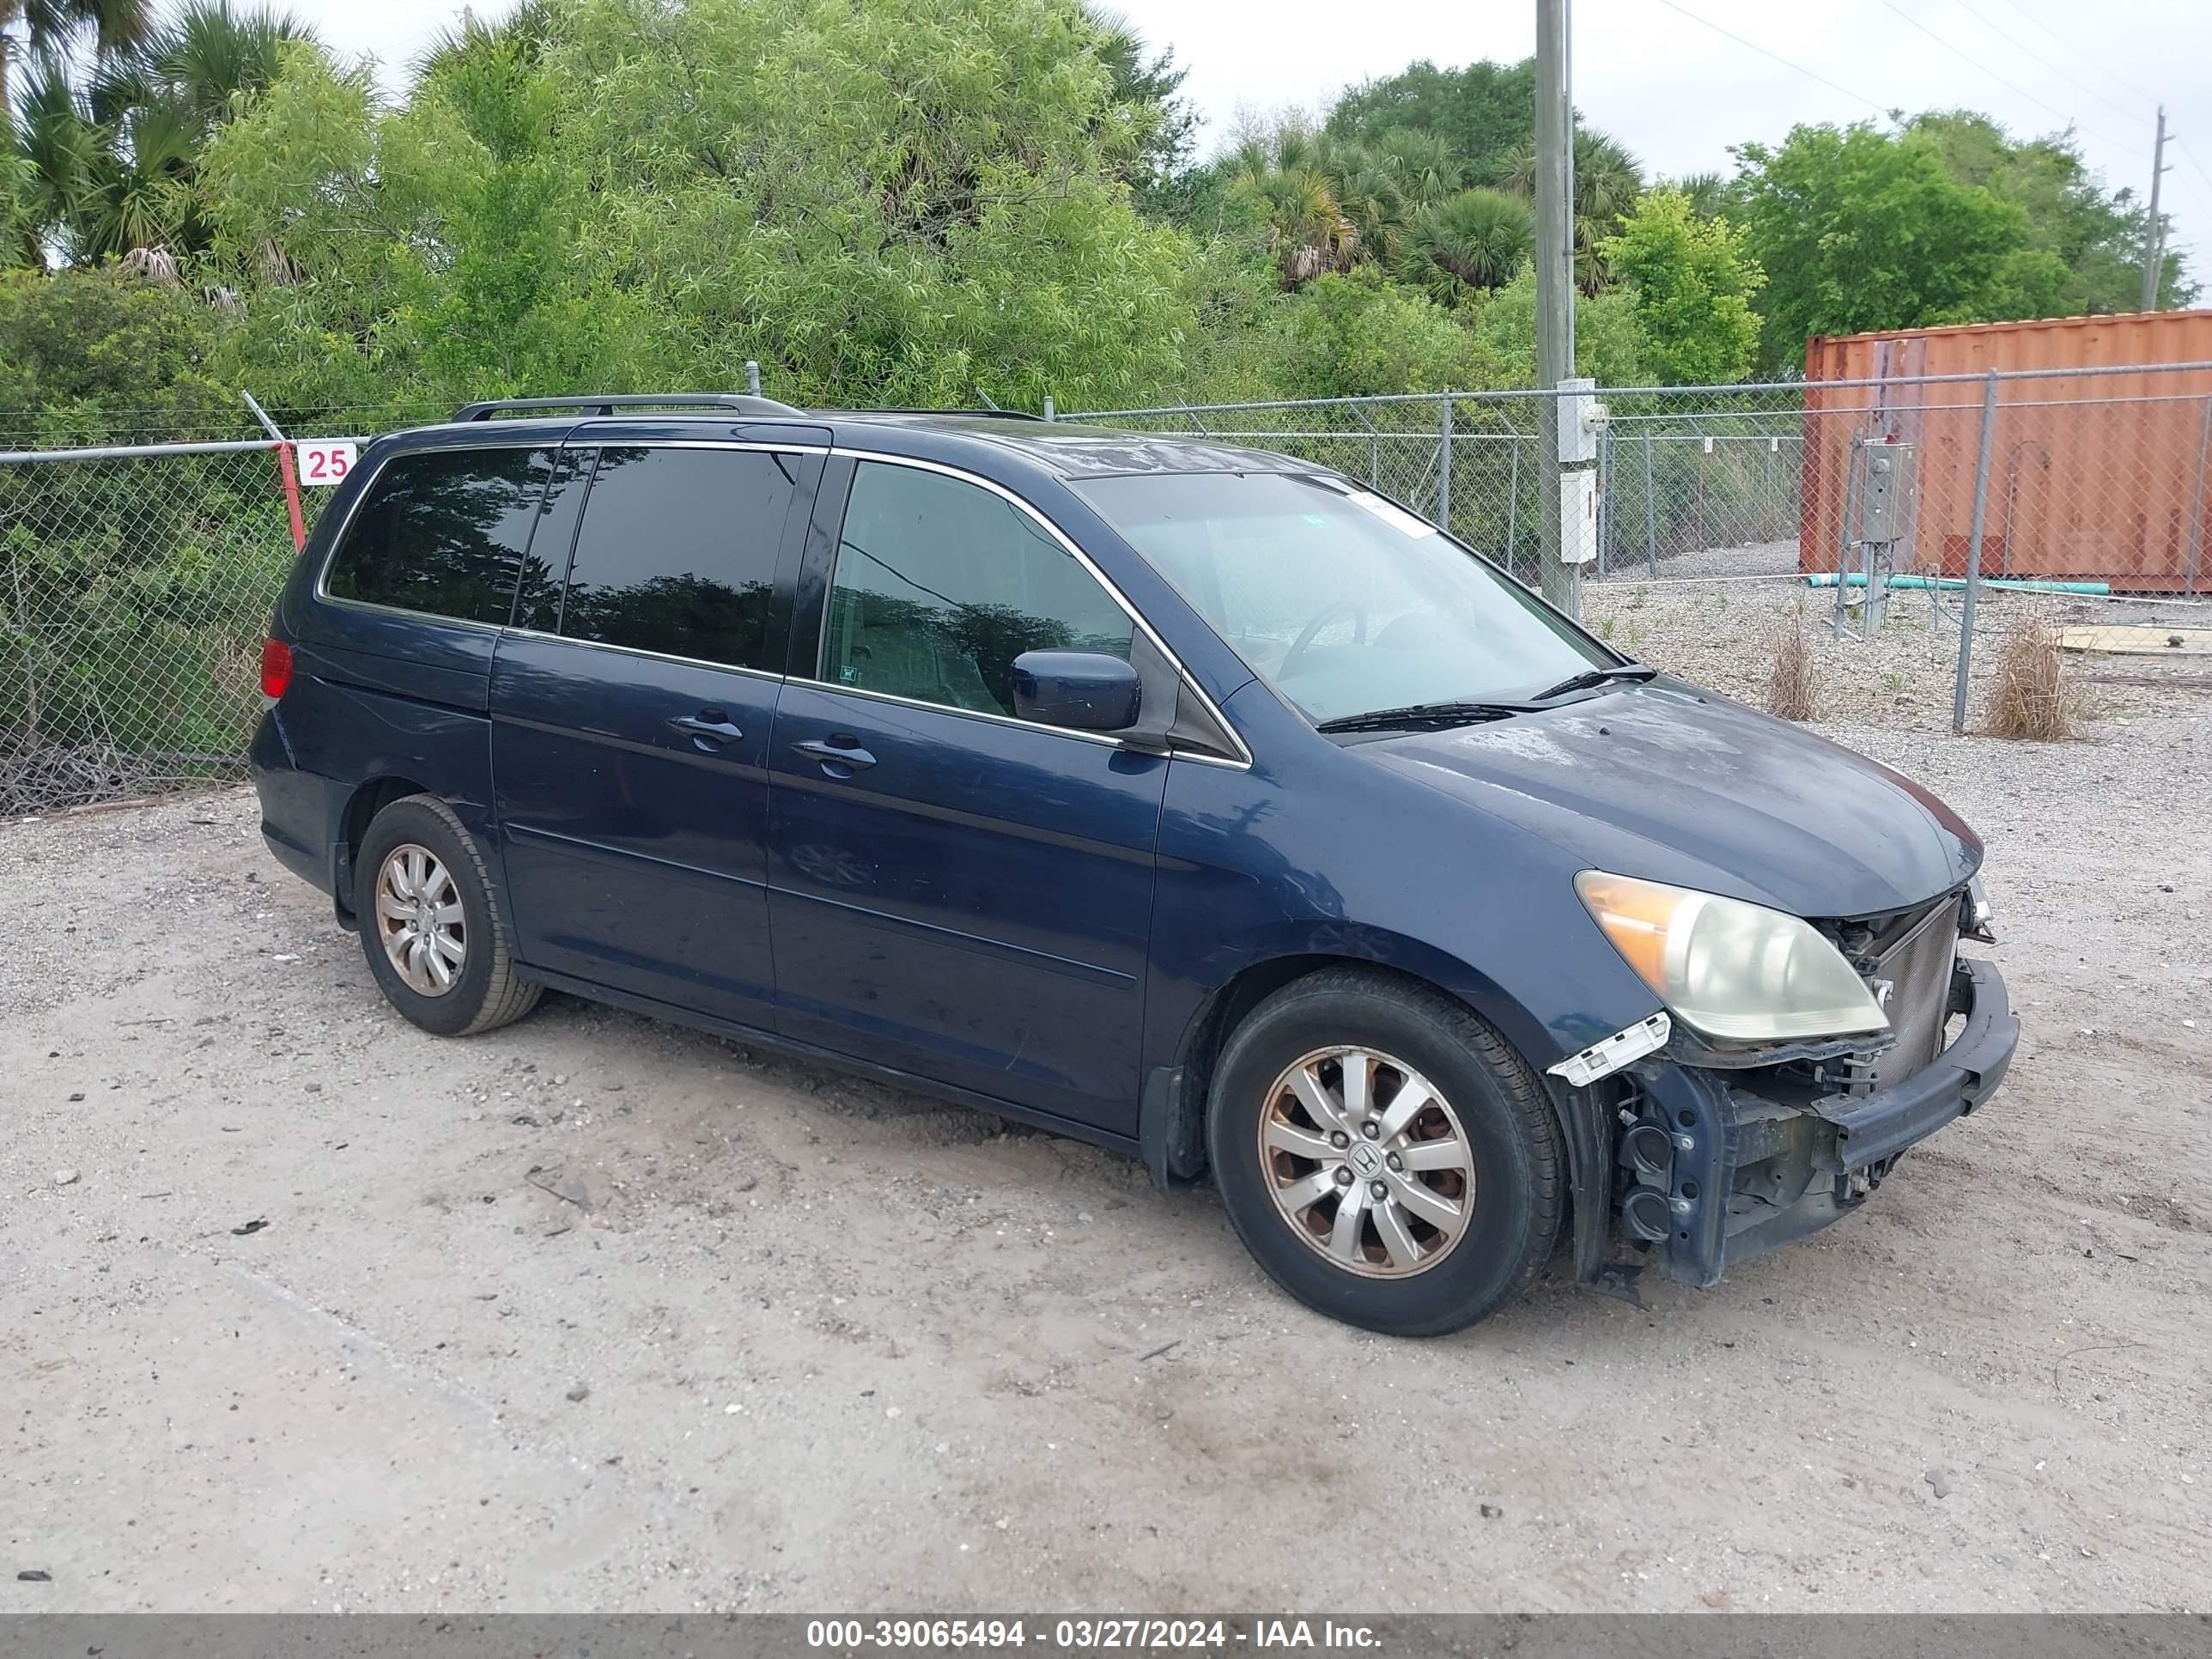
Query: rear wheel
{"points": [[430, 924], [1385, 1156]]}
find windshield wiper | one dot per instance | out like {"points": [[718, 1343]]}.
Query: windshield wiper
{"points": [[1422, 714], [1590, 678]]}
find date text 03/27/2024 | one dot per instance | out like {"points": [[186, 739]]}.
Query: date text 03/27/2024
{"points": [[1084, 1635]]}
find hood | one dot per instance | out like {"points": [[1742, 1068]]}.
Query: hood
{"points": [[1672, 784]]}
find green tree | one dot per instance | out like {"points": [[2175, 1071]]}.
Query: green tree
{"points": [[112, 157], [1858, 229], [1473, 241], [1692, 281], [1363, 335], [1610, 344], [914, 202], [1327, 206], [1608, 180], [1483, 112], [56, 28], [2084, 248], [79, 350], [1149, 83], [1708, 193]]}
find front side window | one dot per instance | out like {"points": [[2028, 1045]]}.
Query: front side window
{"points": [[676, 553], [940, 583], [443, 533], [1342, 602]]}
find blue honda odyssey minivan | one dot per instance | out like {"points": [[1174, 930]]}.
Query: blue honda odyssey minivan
{"points": [[1194, 801]]}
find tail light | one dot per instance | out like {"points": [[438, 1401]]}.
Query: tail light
{"points": [[275, 668]]}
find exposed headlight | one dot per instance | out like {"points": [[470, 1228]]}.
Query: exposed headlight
{"points": [[1977, 914], [1731, 969]]}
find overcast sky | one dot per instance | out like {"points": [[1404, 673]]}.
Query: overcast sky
{"points": [[1676, 92]]}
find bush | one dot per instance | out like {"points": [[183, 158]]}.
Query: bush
{"points": [[132, 592], [89, 356], [1360, 336], [2032, 697], [1790, 685]]}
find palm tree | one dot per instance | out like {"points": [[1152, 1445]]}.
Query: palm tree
{"points": [[113, 161], [1427, 168], [1370, 191], [1478, 239], [55, 27], [1607, 182], [1708, 193], [1145, 82], [1330, 203], [523, 32], [206, 54], [1287, 181], [52, 148]]}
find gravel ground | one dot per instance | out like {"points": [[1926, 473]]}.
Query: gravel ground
{"points": [[302, 1309], [1722, 632]]}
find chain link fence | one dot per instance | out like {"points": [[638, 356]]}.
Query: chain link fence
{"points": [[1911, 527], [1730, 517], [135, 589]]}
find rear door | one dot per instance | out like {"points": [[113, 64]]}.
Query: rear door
{"points": [[393, 655], [957, 892], [631, 710]]}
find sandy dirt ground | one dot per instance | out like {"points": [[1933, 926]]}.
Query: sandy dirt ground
{"points": [[300, 1308]]}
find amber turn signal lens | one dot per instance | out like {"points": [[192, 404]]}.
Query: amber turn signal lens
{"points": [[1635, 915]]}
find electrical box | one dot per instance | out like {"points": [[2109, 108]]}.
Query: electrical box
{"points": [[1581, 420], [1883, 488], [1578, 516]]}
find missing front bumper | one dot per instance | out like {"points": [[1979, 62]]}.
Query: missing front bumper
{"points": [[1745, 1173]]}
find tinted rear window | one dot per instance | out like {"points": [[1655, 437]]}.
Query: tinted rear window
{"points": [[443, 533], [678, 553]]}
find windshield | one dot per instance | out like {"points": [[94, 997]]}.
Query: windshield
{"points": [[1344, 603]]}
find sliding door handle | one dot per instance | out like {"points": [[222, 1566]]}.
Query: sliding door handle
{"points": [[709, 724]]}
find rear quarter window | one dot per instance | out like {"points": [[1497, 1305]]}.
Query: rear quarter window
{"points": [[442, 532]]}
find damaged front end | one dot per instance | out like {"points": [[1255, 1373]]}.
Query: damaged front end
{"points": [[1721, 1151]]}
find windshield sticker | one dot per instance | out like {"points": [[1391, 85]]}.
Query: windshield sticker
{"points": [[1392, 514]]}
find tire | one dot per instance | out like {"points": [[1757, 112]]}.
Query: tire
{"points": [[1404, 1265], [429, 851]]}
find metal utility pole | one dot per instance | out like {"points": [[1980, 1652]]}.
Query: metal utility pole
{"points": [[1555, 288], [2153, 232]]}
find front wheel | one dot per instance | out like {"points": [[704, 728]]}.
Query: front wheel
{"points": [[1383, 1153]]}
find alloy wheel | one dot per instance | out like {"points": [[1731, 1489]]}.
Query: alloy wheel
{"points": [[1367, 1162], [418, 917]]}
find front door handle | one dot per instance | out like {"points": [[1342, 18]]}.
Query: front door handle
{"points": [[834, 754], [707, 726]]}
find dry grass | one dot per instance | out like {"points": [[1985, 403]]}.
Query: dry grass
{"points": [[1789, 688], [2032, 697]]}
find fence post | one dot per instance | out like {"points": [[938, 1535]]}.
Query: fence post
{"points": [[1444, 466], [1604, 502], [1650, 512], [285, 471], [2195, 500], [1513, 503], [752, 378], [1973, 552], [1844, 542], [1049, 413]]}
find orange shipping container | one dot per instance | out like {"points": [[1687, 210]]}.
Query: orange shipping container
{"points": [[2093, 477]]}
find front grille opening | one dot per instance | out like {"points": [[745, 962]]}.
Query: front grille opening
{"points": [[1907, 958]]}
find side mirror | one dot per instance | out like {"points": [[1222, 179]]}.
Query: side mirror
{"points": [[1083, 691]]}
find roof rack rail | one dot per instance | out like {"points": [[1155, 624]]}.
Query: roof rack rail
{"points": [[731, 400], [979, 414]]}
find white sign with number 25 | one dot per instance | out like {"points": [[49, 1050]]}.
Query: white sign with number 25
{"points": [[325, 463]]}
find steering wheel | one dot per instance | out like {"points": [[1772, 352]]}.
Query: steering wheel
{"points": [[1322, 618]]}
